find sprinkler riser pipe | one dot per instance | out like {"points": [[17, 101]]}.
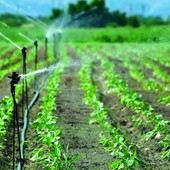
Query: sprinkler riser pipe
{"points": [[46, 48], [36, 53], [54, 45]]}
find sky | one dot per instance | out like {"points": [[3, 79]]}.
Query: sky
{"points": [[43, 7]]}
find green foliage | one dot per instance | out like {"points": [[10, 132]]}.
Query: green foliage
{"points": [[56, 12], [100, 4], [153, 21], [96, 14], [133, 21], [118, 18], [13, 20], [51, 154], [119, 34], [110, 137], [133, 100]]}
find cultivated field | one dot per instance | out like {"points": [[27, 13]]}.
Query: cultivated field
{"points": [[100, 101]]}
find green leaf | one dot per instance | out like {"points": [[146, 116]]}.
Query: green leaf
{"points": [[130, 163], [114, 165]]}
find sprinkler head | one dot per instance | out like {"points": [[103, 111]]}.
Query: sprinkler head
{"points": [[15, 79], [24, 50], [24, 53], [36, 43]]}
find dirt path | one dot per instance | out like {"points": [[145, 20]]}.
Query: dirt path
{"points": [[82, 138]]}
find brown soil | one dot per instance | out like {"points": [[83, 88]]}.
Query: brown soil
{"points": [[81, 138]]}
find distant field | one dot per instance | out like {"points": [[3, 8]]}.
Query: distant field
{"points": [[124, 34]]}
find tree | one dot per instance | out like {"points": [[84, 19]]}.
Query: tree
{"points": [[133, 21], [13, 20], [56, 12], [82, 6], [99, 4], [72, 9], [151, 20], [118, 18]]}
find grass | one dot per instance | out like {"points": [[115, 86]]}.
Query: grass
{"points": [[30, 31], [120, 34]]}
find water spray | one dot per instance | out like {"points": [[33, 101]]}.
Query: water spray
{"points": [[26, 37], [46, 69], [56, 39], [4, 24], [5, 37], [79, 16], [14, 8], [15, 79]]}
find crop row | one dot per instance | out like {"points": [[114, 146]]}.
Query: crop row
{"points": [[132, 99], [110, 137], [18, 65], [148, 83], [145, 112], [5, 50], [49, 153]]}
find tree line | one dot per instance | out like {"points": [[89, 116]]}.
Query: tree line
{"points": [[96, 14], [89, 14]]}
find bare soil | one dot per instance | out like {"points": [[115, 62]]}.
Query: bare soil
{"points": [[81, 138]]}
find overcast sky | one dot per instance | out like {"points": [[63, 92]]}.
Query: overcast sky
{"points": [[43, 7]]}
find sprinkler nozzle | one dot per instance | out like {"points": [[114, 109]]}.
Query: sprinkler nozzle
{"points": [[24, 51], [36, 43], [15, 79]]}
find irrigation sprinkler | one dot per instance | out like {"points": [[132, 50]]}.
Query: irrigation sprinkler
{"points": [[15, 79], [24, 94], [56, 39], [55, 45], [24, 54], [36, 53], [36, 59]]}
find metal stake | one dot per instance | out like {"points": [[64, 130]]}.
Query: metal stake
{"points": [[15, 79]]}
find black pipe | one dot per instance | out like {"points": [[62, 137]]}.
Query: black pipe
{"points": [[23, 133]]}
